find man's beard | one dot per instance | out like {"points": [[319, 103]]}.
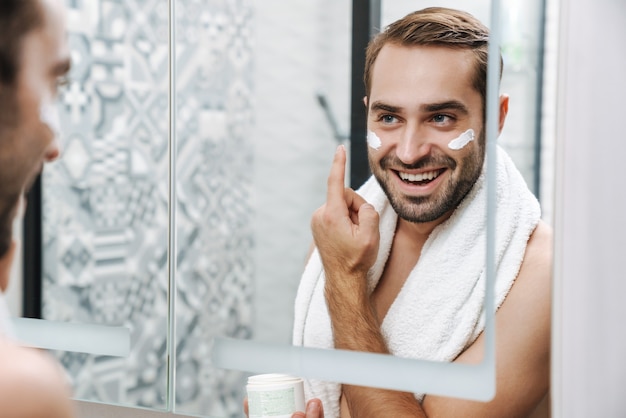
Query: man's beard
{"points": [[421, 209], [15, 183], [10, 187], [8, 211]]}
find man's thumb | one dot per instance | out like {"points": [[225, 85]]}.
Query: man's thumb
{"points": [[368, 217]]}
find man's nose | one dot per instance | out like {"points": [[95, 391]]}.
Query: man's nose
{"points": [[413, 145], [53, 151]]}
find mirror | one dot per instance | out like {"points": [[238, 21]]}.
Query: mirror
{"points": [[254, 147], [256, 123], [522, 45]]}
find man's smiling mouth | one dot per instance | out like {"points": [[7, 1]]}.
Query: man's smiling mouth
{"points": [[420, 178]]}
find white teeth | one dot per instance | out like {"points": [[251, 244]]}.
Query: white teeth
{"points": [[429, 175]]}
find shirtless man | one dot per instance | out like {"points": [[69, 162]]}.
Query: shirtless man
{"points": [[425, 84], [34, 58]]}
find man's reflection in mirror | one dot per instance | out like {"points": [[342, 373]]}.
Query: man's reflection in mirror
{"points": [[34, 60], [398, 266]]}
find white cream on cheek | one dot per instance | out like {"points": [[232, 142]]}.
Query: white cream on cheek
{"points": [[373, 140], [49, 115], [462, 140]]}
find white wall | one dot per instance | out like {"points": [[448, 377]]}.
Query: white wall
{"points": [[589, 362], [302, 47]]}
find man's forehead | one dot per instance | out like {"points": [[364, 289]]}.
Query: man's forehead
{"points": [[427, 74], [424, 58]]}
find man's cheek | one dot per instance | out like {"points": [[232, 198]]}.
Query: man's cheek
{"points": [[49, 116]]}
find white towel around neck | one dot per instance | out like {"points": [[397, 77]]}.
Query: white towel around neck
{"points": [[438, 311]]}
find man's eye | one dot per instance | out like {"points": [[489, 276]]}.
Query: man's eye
{"points": [[62, 82], [441, 118], [388, 119]]}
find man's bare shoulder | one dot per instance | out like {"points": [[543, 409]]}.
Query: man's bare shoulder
{"points": [[522, 341], [538, 257], [542, 235], [32, 384], [531, 291]]}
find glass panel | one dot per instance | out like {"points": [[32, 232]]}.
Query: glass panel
{"points": [[251, 136], [105, 202], [383, 371], [214, 208]]}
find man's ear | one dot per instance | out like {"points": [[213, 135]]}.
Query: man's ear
{"points": [[504, 109], [365, 101]]}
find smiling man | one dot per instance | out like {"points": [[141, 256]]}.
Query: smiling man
{"points": [[398, 265], [34, 59]]}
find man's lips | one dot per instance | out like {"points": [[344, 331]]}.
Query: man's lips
{"points": [[424, 176]]}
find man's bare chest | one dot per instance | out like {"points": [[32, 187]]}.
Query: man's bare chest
{"points": [[402, 259]]}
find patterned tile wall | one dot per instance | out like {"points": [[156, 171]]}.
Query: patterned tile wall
{"points": [[106, 200], [216, 166]]}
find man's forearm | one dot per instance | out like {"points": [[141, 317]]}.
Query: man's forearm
{"points": [[356, 327], [354, 322], [364, 402]]}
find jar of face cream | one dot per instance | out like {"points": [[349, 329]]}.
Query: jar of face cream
{"points": [[274, 395]]}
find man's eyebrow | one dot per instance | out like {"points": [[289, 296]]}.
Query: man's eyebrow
{"points": [[380, 106], [447, 105], [62, 67], [427, 108]]}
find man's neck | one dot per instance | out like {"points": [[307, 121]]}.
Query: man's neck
{"points": [[421, 230]]}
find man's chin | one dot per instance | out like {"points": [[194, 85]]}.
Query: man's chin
{"points": [[10, 221]]}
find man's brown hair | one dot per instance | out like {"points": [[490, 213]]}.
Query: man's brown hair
{"points": [[437, 26], [17, 18]]}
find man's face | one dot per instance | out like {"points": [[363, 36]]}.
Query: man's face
{"points": [[27, 139], [422, 98]]}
